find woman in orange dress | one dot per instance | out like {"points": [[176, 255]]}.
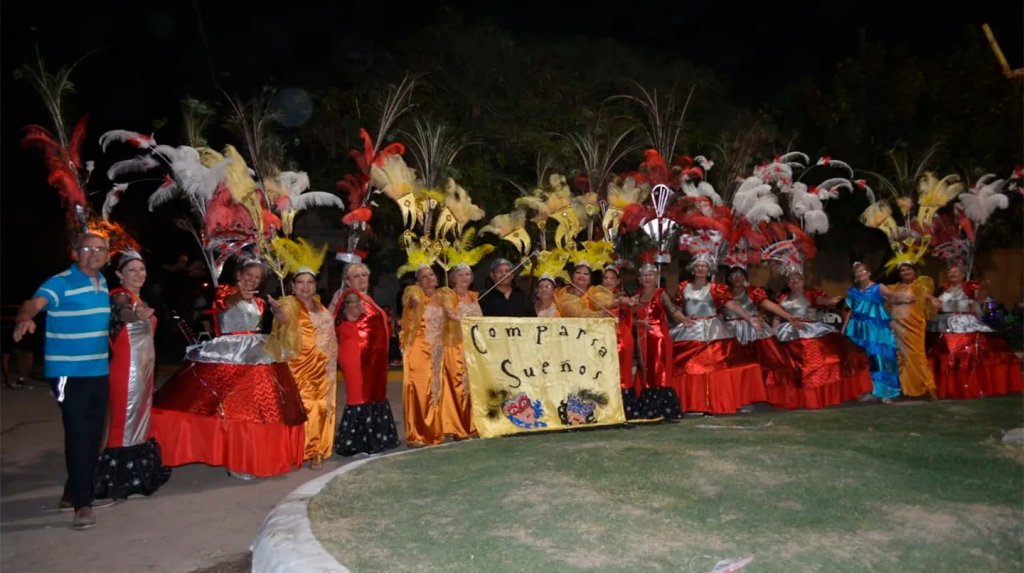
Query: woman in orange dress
{"points": [[363, 329], [304, 335], [909, 324], [459, 302], [423, 320]]}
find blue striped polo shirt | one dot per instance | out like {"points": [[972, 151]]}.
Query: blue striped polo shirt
{"points": [[77, 324]]}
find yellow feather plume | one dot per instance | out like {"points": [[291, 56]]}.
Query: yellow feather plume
{"points": [[551, 265], [462, 252], [907, 251], [457, 211], [510, 227], [594, 254], [237, 175], [298, 256], [422, 253], [934, 193], [398, 181], [879, 216]]}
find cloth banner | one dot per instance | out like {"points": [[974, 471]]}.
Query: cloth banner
{"points": [[535, 374]]}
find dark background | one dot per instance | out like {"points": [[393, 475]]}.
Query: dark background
{"points": [[136, 60]]}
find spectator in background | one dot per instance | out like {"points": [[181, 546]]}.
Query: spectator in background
{"points": [[505, 299]]}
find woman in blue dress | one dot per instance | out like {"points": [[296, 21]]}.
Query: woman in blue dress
{"points": [[868, 325]]}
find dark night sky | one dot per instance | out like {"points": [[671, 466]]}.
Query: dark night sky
{"points": [[145, 56]]}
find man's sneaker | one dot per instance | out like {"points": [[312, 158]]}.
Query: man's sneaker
{"points": [[65, 505], [84, 519], [102, 503]]}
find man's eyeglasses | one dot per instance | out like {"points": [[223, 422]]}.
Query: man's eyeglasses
{"points": [[88, 250]]}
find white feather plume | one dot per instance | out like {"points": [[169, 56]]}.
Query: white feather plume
{"points": [[983, 200], [132, 138], [132, 166], [702, 189]]}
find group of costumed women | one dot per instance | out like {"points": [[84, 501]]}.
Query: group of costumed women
{"points": [[263, 404], [257, 404]]}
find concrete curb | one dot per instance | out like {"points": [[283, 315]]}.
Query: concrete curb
{"points": [[285, 542]]}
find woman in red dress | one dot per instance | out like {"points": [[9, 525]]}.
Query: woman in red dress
{"points": [[623, 309], [776, 367], [231, 404], [367, 424], [658, 398], [716, 374], [131, 462], [969, 359], [830, 367]]}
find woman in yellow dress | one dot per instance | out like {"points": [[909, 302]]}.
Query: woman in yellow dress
{"points": [[459, 302], [304, 335], [579, 299], [909, 323], [549, 268], [423, 320]]}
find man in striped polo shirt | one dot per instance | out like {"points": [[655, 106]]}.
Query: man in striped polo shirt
{"points": [[76, 363]]}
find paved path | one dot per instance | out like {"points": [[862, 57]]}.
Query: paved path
{"points": [[199, 519]]}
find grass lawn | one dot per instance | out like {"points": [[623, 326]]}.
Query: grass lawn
{"points": [[912, 487]]}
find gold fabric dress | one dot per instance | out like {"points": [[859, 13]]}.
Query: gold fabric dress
{"points": [[307, 341], [422, 363], [456, 409], [909, 322], [592, 304]]}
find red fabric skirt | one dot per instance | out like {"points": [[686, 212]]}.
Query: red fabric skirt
{"points": [[830, 370], [245, 417], [717, 377], [973, 365]]}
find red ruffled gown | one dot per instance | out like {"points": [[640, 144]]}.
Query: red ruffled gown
{"points": [[626, 348], [968, 358], [776, 367], [717, 374], [230, 404], [830, 367], [367, 424], [131, 462], [658, 398]]}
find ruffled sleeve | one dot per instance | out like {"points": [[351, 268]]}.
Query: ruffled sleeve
{"points": [[813, 295], [720, 294], [411, 317], [971, 289], [599, 299], [757, 295], [285, 339], [678, 298], [571, 305]]}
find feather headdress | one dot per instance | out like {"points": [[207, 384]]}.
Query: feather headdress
{"points": [[462, 254], [298, 256], [290, 193], [66, 171], [594, 255], [457, 211], [551, 265], [398, 181], [620, 197], [510, 227], [420, 254]]}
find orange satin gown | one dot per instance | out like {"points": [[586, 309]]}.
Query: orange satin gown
{"points": [[456, 408], [315, 373], [909, 322], [422, 365]]}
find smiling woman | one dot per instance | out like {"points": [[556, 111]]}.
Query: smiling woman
{"points": [[232, 404]]}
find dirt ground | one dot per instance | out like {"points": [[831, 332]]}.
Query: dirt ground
{"points": [[201, 520]]}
